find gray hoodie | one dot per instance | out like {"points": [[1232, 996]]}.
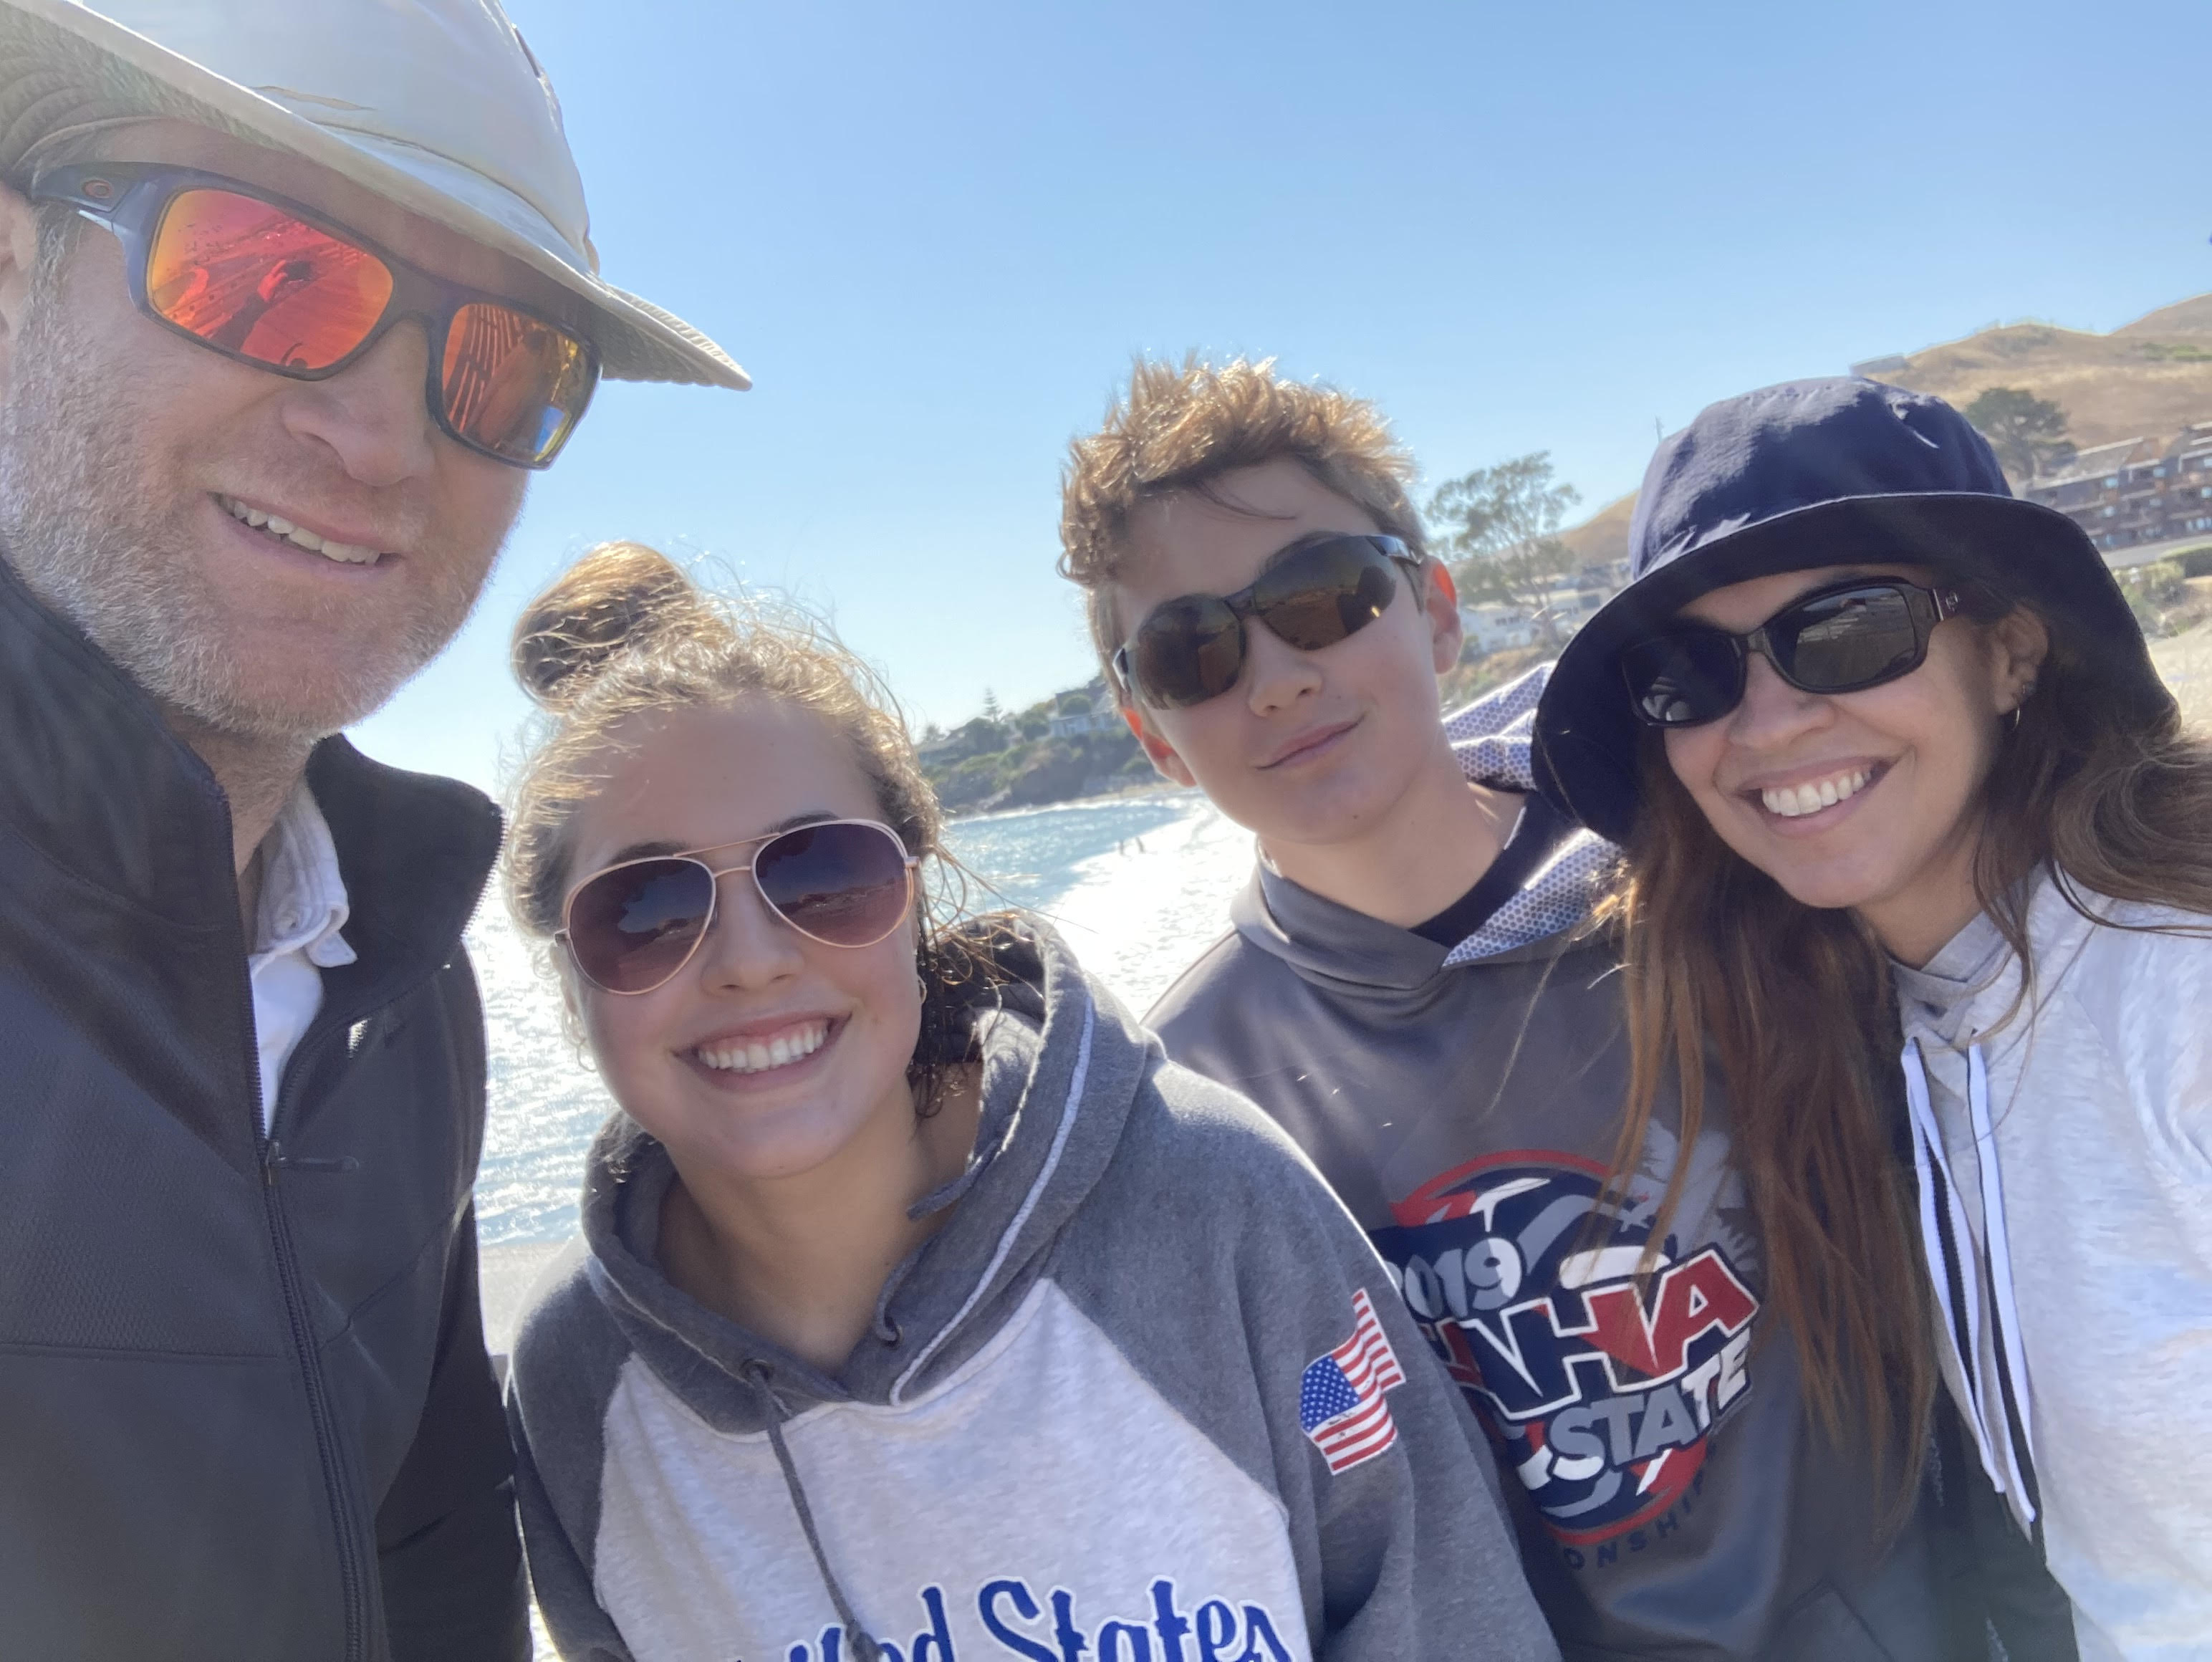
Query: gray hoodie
{"points": [[2064, 1143], [1141, 1397], [1673, 1497]]}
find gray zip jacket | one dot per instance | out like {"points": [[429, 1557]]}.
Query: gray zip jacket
{"points": [[2063, 1145], [1673, 1497], [1141, 1397]]}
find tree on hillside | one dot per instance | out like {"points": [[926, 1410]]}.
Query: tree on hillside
{"points": [[2027, 433], [979, 736], [1499, 527]]}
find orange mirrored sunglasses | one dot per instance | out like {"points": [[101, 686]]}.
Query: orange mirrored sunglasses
{"points": [[262, 281]]}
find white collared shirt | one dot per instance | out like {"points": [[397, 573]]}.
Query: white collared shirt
{"points": [[296, 936]]}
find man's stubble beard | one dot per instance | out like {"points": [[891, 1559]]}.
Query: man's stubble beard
{"points": [[82, 523]]}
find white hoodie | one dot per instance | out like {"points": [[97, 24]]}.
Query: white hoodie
{"points": [[2065, 1164]]}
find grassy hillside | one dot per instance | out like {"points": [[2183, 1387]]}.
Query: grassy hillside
{"points": [[2189, 317], [2152, 377], [1603, 536]]}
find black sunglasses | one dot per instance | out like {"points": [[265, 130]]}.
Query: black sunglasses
{"points": [[264, 280], [632, 926], [1317, 592], [1843, 638]]}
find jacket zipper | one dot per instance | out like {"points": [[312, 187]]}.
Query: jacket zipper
{"points": [[318, 1410], [269, 1152]]}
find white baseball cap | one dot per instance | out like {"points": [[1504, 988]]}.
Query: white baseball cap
{"points": [[436, 105]]}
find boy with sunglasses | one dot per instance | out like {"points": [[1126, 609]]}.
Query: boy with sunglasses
{"points": [[1403, 990], [294, 298]]}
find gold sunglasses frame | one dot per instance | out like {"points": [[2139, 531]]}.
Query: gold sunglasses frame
{"points": [[562, 935]]}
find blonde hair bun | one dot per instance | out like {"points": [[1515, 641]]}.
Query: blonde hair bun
{"points": [[618, 597]]}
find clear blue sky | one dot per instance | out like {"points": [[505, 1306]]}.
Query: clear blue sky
{"points": [[936, 234]]}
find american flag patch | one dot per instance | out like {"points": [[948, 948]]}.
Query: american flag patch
{"points": [[1341, 1398]]}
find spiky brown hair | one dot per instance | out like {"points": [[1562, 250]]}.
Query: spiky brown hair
{"points": [[1182, 427]]}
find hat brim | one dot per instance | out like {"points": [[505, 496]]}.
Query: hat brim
{"points": [[63, 69], [1588, 740]]}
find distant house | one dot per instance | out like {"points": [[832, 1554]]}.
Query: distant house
{"points": [[1492, 629], [2136, 492], [1088, 710], [1576, 606], [1496, 627]]}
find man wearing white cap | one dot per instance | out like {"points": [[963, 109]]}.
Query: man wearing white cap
{"points": [[294, 295]]}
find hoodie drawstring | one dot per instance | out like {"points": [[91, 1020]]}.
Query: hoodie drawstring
{"points": [[1972, 1285], [864, 1646], [2013, 1362]]}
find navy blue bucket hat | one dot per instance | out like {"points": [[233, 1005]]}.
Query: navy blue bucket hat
{"points": [[1840, 472]]}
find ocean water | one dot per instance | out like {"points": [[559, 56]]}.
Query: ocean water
{"points": [[1137, 886]]}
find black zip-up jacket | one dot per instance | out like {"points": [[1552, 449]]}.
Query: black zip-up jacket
{"points": [[245, 1410]]}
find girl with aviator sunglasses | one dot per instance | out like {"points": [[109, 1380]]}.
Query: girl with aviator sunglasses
{"points": [[1916, 855], [928, 1311]]}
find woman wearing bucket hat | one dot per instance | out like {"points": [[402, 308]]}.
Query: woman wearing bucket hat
{"points": [[1894, 776]]}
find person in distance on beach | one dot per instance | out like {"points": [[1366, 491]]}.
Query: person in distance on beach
{"points": [[1896, 777], [927, 1310], [1405, 990], [292, 298]]}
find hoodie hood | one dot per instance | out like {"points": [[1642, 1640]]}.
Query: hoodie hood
{"points": [[1492, 739], [1061, 1066]]}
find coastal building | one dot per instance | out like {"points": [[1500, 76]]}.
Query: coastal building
{"points": [[1494, 627], [1091, 709], [1499, 626], [2135, 492]]}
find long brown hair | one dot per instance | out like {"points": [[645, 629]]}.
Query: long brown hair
{"points": [[1795, 1010]]}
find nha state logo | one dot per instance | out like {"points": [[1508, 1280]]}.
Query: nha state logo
{"points": [[1602, 1394]]}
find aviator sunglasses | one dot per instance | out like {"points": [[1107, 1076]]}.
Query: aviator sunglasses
{"points": [[262, 281], [631, 927], [1190, 649], [1843, 638]]}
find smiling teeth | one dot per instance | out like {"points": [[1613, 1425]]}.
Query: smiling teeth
{"points": [[779, 1052], [1792, 801], [300, 535]]}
